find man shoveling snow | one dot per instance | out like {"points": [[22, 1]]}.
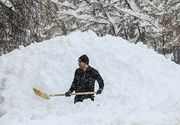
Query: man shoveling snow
{"points": [[84, 80]]}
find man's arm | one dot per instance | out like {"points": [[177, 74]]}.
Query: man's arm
{"points": [[100, 82], [73, 85]]}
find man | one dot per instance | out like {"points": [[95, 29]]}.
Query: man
{"points": [[84, 80]]}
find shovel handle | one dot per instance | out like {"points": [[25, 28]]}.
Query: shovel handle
{"points": [[80, 93]]}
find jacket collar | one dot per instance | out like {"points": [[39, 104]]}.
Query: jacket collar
{"points": [[88, 68]]}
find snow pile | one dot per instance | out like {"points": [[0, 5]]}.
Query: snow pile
{"points": [[141, 87]]}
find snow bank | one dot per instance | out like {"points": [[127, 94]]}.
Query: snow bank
{"points": [[141, 87]]}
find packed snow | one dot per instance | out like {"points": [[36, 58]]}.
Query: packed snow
{"points": [[141, 86]]}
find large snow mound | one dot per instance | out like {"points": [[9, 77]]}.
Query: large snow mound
{"points": [[141, 86]]}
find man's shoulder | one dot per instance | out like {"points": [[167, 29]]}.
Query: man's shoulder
{"points": [[78, 69], [90, 68], [93, 69]]}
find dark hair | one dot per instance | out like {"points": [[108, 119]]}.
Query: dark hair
{"points": [[84, 58]]}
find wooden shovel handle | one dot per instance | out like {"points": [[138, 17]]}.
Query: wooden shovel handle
{"points": [[80, 93]]}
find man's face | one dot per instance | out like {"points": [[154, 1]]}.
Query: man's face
{"points": [[82, 65]]}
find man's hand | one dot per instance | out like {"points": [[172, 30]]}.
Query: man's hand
{"points": [[68, 94], [99, 91]]}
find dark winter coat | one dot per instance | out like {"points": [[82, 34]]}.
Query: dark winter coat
{"points": [[84, 81]]}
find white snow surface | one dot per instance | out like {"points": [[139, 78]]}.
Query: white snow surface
{"points": [[141, 86]]}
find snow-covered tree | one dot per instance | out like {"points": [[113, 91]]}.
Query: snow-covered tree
{"points": [[23, 21], [153, 22]]}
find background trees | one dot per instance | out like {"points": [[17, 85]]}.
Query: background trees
{"points": [[23, 21], [153, 22]]}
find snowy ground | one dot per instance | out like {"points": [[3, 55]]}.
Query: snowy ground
{"points": [[141, 86]]}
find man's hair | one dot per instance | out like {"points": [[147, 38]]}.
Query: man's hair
{"points": [[84, 58]]}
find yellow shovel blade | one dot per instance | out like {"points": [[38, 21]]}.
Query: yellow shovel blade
{"points": [[41, 94]]}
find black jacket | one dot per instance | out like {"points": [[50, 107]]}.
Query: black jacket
{"points": [[84, 80]]}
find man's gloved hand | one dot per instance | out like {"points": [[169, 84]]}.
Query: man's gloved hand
{"points": [[68, 94], [99, 91]]}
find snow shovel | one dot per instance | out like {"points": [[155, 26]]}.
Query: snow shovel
{"points": [[47, 96]]}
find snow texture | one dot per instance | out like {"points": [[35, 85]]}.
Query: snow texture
{"points": [[141, 86]]}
